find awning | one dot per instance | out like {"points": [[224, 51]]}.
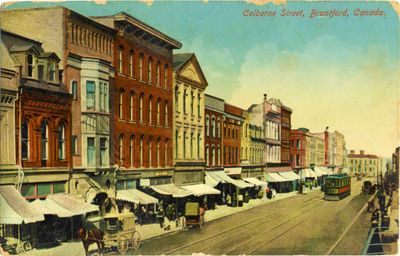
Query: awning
{"points": [[255, 181], [170, 190], [220, 176], [14, 209], [52, 208], [289, 175], [318, 172], [201, 190], [321, 169], [70, 203], [346, 170], [307, 173], [135, 196], [274, 177], [233, 170]]}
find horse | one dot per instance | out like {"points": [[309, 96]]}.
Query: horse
{"points": [[89, 237]]}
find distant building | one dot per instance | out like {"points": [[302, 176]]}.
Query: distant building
{"points": [[232, 139], [298, 142], [395, 161], [286, 125], [364, 164]]}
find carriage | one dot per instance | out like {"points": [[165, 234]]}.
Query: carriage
{"points": [[193, 215], [119, 231], [337, 186]]}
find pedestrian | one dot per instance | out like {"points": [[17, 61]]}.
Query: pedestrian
{"points": [[160, 216], [202, 213], [240, 199], [228, 200]]}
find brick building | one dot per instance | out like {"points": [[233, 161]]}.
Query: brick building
{"points": [[142, 101], [286, 125], [232, 139], [298, 138]]}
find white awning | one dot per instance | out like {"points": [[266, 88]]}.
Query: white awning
{"points": [[220, 176], [233, 170], [346, 170], [255, 181], [321, 170], [289, 175], [201, 190], [52, 208], [135, 196], [14, 209], [275, 177], [307, 173], [70, 203], [171, 190]]}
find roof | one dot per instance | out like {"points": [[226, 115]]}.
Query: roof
{"points": [[15, 209], [6, 32], [362, 156], [180, 59]]}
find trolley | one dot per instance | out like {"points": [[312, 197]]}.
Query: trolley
{"points": [[337, 186]]}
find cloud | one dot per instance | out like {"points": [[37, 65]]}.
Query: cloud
{"points": [[329, 83]]}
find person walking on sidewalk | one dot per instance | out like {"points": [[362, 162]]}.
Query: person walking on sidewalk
{"points": [[228, 200], [240, 199]]}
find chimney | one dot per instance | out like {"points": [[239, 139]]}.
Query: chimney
{"points": [[362, 152], [352, 152], [265, 96]]}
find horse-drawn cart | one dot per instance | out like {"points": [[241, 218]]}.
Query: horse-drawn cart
{"points": [[194, 216]]}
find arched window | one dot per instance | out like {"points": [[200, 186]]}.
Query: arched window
{"points": [[218, 128], [150, 151], [158, 111], [132, 150], [121, 104], [131, 105], [141, 67], [219, 156], [213, 155], [166, 114], [52, 71], [121, 149], [184, 101], [44, 138], [198, 145], [206, 156], [207, 126], [131, 63], [199, 105], [149, 71], [166, 153], [141, 108], [30, 64], [158, 152], [120, 67], [184, 144], [165, 76], [191, 145], [192, 103], [25, 139], [61, 141], [141, 150], [151, 110], [158, 73], [213, 126], [176, 144]]}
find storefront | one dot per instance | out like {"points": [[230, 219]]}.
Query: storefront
{"points": [[203, 194], [278, 182], [259, 187], [293, 178]]}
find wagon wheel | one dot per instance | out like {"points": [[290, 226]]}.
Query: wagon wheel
{"points": [[135, 240], [26, 246], [122, 245], [19, 248]]}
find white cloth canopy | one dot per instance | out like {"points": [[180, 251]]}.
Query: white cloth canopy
{"points": [[70, 203], [14, 209], [275, 177], [220, 176], [171, 190], [307, 173], [135, 196], [201, 190], [52, 208], [321, 169], [289, 175], [255, 181]]}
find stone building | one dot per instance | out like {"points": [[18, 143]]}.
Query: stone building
{"points": [[364, 164], [215, 113], [85, 49], [142, 139], [42, 118], [337, 152], [191, 124]]}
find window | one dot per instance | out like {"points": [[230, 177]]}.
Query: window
{"points": [[218, 128], [90, 94], [166, 114], [120, 67], [158, 111], [165, 76], [149, 71], [213, 155], [141, 151], [41, 72], [158, 74], [151, 110], [44, 138], [198, 145], [298, 144], [184, 144], [176, 143], [191, 145], [131, 105], [25, 139], [132, 150], [121, 149], [121, 104], [141, 108], [219, 156], [131, 65], [74, 145], [198, 105], [213, 127], [176, 98], [58, 187], [30, 65], [158, 152], [61, 141], [101, 96], [105, 92], [103, 151], [141, 67], [192, 104], [207, 130], [206, 156], [52, 71], [91, 152], [74, 90], [150, 151], [43, 189], [166, 153]]}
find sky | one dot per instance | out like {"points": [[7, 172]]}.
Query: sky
{"points": [[340, 72]]}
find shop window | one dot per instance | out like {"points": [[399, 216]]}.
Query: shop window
{"points": [[91, 152], [61, 141], [44, 140], [28, 190], [90, 95], [59, 187], [25, 139], [120, 184], [103, 151], [43, 189], [130, 184]]}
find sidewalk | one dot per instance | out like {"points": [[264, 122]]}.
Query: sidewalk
{"points": [[392, 234]]}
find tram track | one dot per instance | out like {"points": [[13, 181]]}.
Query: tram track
{"points": [[242, 228]]}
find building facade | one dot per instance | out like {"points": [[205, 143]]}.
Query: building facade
{"points": [[364, 164], [298, 149], [286, 125], [190, 122], [232, 139], [214, 120], [337, 152]]}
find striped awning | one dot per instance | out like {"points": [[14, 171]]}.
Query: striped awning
{"points": [[255, 181], [221, 176], [135, 196], [274, 177], [171, 190], [290, 175], [201, 190], [72, 204]]}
